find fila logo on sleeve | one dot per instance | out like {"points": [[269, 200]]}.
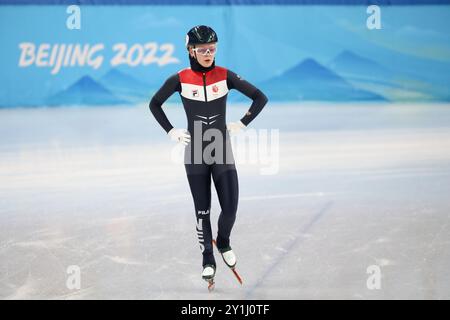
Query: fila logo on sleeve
{"points": [[193, 87]]}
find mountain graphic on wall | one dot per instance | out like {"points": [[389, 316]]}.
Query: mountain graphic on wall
{"points": [[85, 91], [395, 85], [370, 75], [350, 65], [309, 80], [125, 86]]}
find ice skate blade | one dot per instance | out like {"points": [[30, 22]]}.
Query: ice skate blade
{"points": [[233, 268], [211, 284]]}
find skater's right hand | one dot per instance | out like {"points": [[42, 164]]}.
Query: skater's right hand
{"points": [[235, 127], [180, 135]]}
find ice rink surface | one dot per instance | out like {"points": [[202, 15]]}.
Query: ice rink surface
{"points": [[352, 187]]}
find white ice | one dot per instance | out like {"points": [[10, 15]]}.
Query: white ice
{"points": [[358, 186]]}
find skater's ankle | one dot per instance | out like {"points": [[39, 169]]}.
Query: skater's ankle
{"points": [[209, 260], [222, 243]]}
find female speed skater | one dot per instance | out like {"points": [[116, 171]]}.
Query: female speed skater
{"points": [[203, 89]]}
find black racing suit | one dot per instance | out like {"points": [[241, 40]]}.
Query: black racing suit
{"points": [[204, 96]]}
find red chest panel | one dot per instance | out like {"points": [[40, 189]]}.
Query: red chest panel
{"points": [[195, 77], [193, 88]]}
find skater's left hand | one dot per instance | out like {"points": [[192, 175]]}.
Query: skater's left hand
{"points": [[235, 127]]}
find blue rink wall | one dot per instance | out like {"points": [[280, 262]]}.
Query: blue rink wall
{"points": [[335, 51]]}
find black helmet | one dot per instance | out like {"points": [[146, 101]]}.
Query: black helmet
{"points": [[200, 35]]}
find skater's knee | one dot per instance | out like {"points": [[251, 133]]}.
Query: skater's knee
{"points": [[203, 213], [229, 208]]}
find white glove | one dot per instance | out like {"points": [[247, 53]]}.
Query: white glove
{"points": [[180, 135], [235, 127]]}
